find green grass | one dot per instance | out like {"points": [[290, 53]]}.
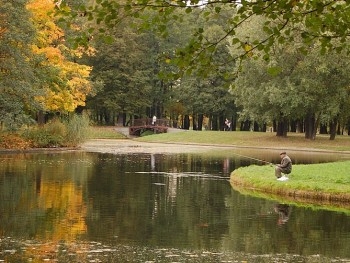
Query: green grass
{"points": [[252, 139], [326, 182], [97, 132]]}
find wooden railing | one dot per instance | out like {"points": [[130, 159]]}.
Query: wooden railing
{"points": [[149, 121]]}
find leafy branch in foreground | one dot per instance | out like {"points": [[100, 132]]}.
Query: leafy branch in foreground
{"points": [[321, 22]]}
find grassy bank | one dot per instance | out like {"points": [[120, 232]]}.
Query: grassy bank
{"points": [[322, 183], [253, 139]]}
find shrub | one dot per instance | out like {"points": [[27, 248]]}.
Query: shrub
{"points": [[42, 138], [57, 133]]}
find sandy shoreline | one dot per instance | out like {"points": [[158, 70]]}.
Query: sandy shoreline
{"points": [[130, 146]]}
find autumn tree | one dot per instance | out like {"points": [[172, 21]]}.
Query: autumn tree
{"points": [[65, 82]]}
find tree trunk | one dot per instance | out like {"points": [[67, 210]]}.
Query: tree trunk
{"points": [[282, 128], [310, 129], [245, 125], [333, 129], [234, 122], [214, 123], [293, 126], [200, 122], [186, 125], [210, 120], [274, 124], [255, 126], [221, 122], [300, 126], [339, 131], [41, 118], [323, 129], [194, 122]]}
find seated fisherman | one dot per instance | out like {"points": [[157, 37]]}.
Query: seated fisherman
{"points": [[285, 166]]}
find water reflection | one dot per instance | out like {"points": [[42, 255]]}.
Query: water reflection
{"points": [[283, 211], [167, 205]]}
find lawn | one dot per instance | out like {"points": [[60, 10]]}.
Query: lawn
{"points": [[253, 139]]}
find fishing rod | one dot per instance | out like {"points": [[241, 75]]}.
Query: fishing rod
{"points": [[252, 158]]}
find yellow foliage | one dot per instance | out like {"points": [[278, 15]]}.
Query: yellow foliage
{"points": [[71, 85], [42, 12]]}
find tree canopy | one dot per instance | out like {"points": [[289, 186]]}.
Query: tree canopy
{"points": [[17, 74], [321, 22]]}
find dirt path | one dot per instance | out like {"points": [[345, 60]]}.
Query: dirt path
{"points": [[130, 146]]}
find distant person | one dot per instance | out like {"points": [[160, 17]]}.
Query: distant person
{"points": [[284, 167], [227, 125], [154, 120]]}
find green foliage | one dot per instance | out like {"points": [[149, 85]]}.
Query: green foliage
{"points": [[57, 133], [324, 23], [49, 135], [126, 70], [41, 138], [17, 66]]}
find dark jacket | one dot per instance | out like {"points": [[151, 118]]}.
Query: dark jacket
{"points": [[286, 164]]}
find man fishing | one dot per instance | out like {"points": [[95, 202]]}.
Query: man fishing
{"points": [[284, 167]]}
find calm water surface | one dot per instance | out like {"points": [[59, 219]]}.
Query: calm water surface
{"points": [[93, 207]]}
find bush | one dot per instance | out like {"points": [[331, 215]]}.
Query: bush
{"points": [[42, 138], [56, 133], [50, 135]]}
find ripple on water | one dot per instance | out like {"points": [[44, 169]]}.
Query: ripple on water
{"points": [[12, 250]]}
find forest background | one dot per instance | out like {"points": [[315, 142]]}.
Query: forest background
{"points": [[279, 65]]}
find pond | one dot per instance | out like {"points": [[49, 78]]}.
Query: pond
{"points": [[81, 206]]}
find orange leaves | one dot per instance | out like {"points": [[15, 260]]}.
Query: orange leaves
{"points": [[13, 141]]}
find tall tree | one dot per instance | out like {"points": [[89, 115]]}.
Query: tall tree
{"points": [[295, 86], [17, 65], [124, 67], [65, 82]]}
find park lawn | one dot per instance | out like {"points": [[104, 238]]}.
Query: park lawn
{"points": [[102, 132], [319, 182], [252, 139]]}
